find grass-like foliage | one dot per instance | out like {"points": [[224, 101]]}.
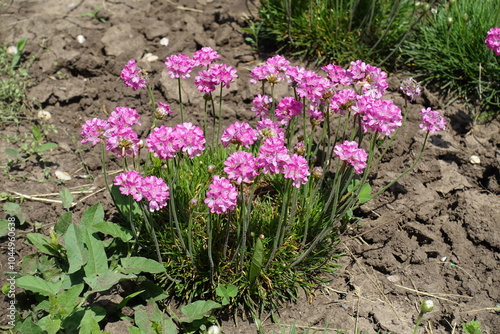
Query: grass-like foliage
{"points": [[448, 50], [338, 30], [252, 214]]}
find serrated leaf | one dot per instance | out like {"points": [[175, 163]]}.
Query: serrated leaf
{"points": [[42, 243], [136, 265], [198, 309], [39, 285], [66, 198], [364, 193], [93, 215], [12, 152], [106, 280], [45, 147], [75, 251], [114, 230], [63, 223], [97, 261]]}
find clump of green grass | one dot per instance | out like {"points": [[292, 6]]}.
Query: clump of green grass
{"points": [[448, 50], [13, 81], [337, 30]]}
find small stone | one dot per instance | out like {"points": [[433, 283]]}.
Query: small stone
{"points": [[150, 58], [444, 258], [62, 175], [164, 41], [393, 278], [12, 50], [44, 115], [475, 160], [80, 39]]}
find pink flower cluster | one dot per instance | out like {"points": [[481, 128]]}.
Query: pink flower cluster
{"points": [[378, 115], [164, 142], [371, 79], [116, 132], [241, 134], [493, 40], [151, 188], [133, 76], [218, 74], [411, 89], [287, 108], [261, 104], [432, 120], [273, 71], [221, 196], [349, 152]]}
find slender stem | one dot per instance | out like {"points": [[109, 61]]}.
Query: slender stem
{"points": [[220, 113], [417, 323], [210, 256], [180, 99]]}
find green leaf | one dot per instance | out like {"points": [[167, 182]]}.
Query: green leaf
{"points": [[136, 265], [45, 147], [93, 215], [52, 326], [42, 243], [126, 204], [106, 280], [472, 327], [66, 198], [12, 152], [114, 230], [89, 324], [4, 227], [21, 44], [226, 293], [127, 298], [75, 250], [135, 330], [198, 310], [364, 193], [14, 210], [97, 261], [69, 299], [35, 131], [63, 223], [39, 285], [256, 265], [27, 326]]}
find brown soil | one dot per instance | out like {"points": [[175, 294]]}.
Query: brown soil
{"points": [[433, 235]]}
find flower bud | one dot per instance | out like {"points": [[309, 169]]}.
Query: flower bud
{"points": [[449, 21], [317, 172], [211, 169], [193, 202], [427, 306], [214, 329], [261, 236], [300, 148]]}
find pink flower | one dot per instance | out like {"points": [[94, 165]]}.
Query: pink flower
{"points": [[240, 134], [337, 75], [93, 130], [241, 167], [122, 141], [273, 155], [163, 142], [133, 76], [179, 66], [287, 108], [343, 100], [371, 79], [221, 196], [350, 153], [205, 56], [191, 139], [410, 88], [130, 184], [223, 74], [432, 121], [273, 71], [493, 40], [313, 86], [155, 191], [261, 105], [162, 110], [378, 115], [297, 169], [204, 81], [123, 116], [267, 128]]}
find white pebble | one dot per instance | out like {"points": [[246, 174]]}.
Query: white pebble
{"points": [[81, 39], [444, 258], [164, 41], [475, 160], [62, 175], [12, 50], [150, 58], [44, 115]]}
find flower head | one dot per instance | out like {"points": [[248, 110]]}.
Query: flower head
{"points": [[297, 169], [221, 196], [337, 75], [411, 89], [261, 105], [432, 120], [493, 40], [190, 139], [155, 191], [205, 56], [162, 110], [378, 115], [349, 152], [133, 76], [163, 142], [287, 108], [179, 66], [240, 134], [93, 130], [122, 141], [123, 116], [129, 183], [343, 100], [273, 155], [241, 167], [267, 128]]}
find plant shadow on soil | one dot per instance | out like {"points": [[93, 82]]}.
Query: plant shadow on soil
{"points": [[439, 240]]}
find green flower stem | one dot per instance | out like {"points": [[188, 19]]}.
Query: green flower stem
{"points": [[219, 118], [180, 99], [209, 249], [417, 323]]}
